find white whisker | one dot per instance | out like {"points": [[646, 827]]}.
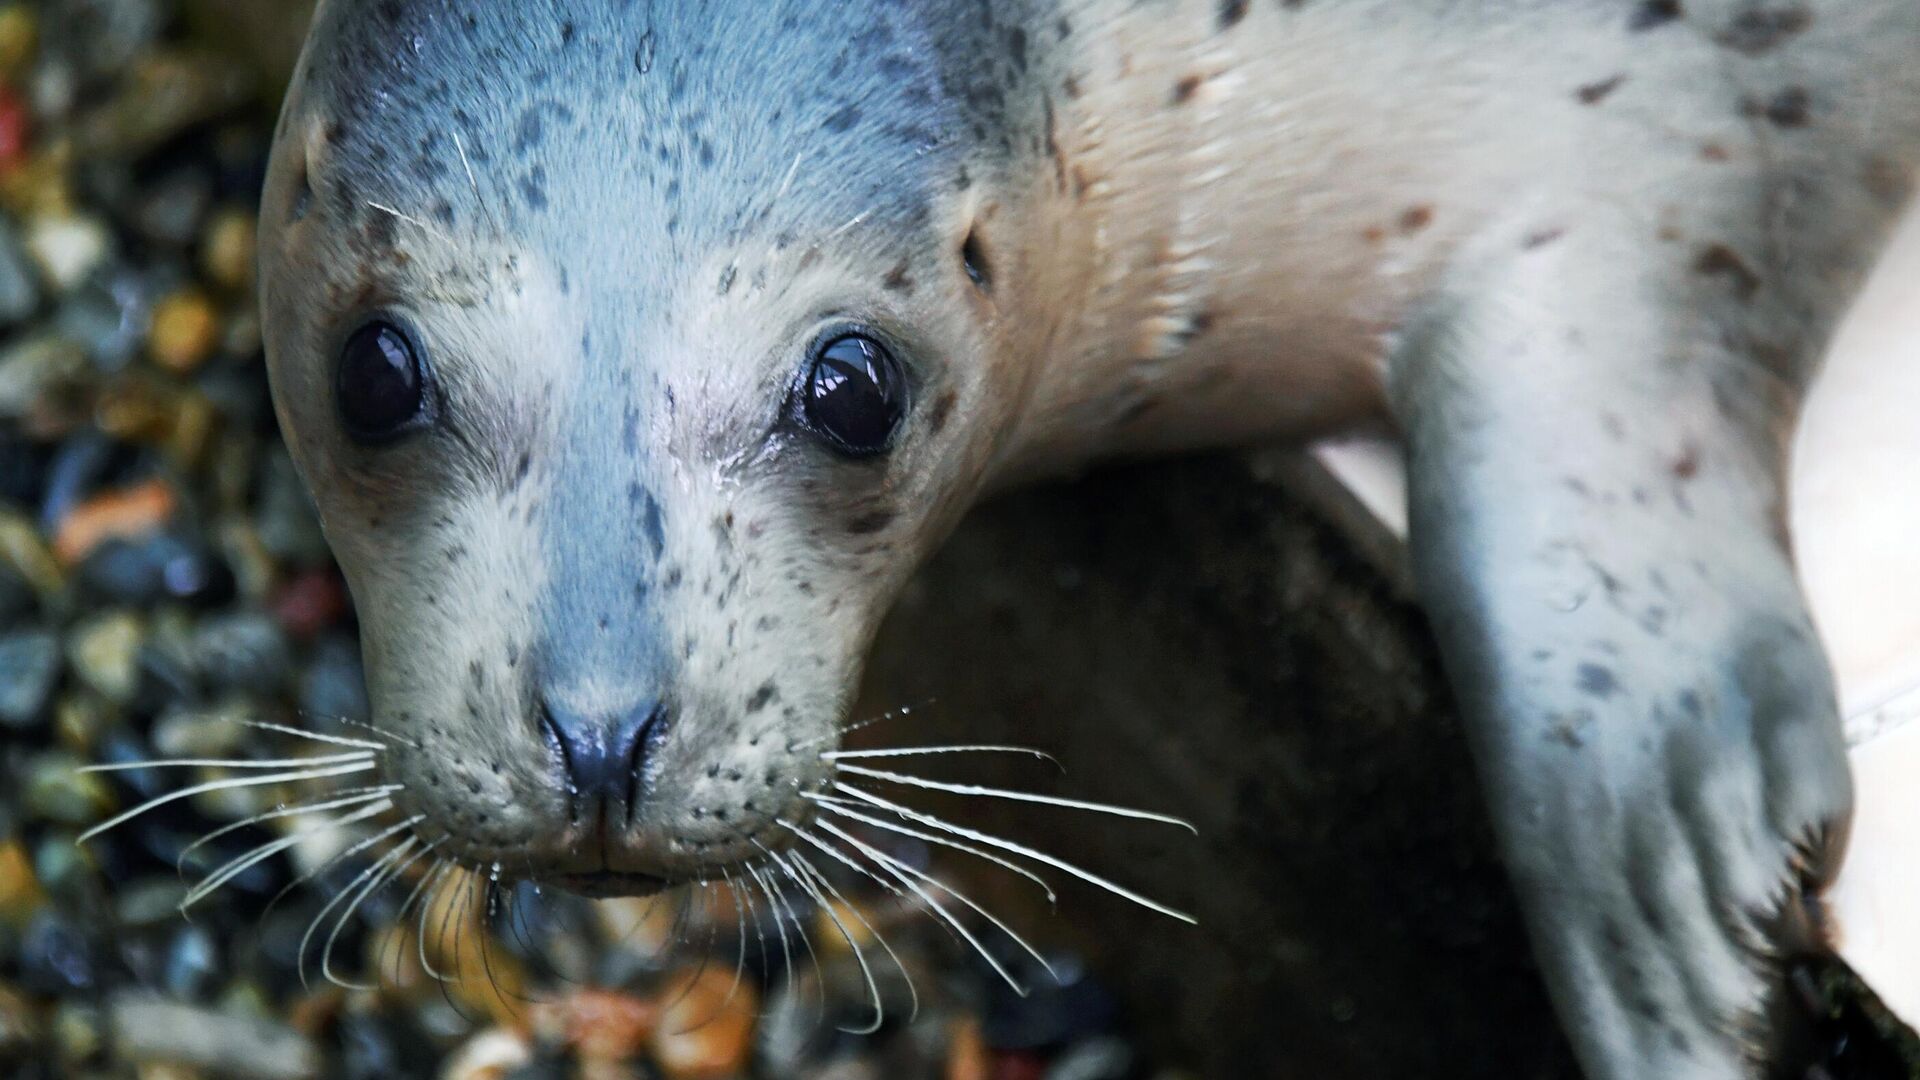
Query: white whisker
{"points": [[913, 991], [229, 763], [1018, 796], [845, 808], [302, 733], [307, 938], [222, 785], [901, 869], [812, 886], [923, 751], [1087, 876], [409, 219], [474, 182], [242, 863], [394, 862], [351, 797], [439, 877]]}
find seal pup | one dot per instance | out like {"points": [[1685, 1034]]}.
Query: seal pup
{"points": [[636, 353]]}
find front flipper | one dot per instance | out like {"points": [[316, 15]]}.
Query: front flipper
{"points": [[1596, 428]]}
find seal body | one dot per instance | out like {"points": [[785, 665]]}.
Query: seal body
{"points": [[617, 574]]}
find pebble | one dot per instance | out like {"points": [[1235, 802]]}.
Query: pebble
{"points": [[185, 330], [212, 731], [42, 377], [29, 669], [149, 902], [56, 959], [493, 1054], [20, 892], [20, 1024], [242, 651], [78, 1032], [167, 565], [171, 208], [333, 686], [54, 789], [152, 1030], [607, 1026], [1104, 1058], [286, 521], [227, 255], [19, 282], [706, 1030], [19, 33], [124, 513], [68, 249], [193, 964], [105, 651]]}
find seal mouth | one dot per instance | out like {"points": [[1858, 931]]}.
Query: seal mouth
{"points": [[606, 884]]}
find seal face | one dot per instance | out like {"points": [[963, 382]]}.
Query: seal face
{"points": [[625, 397]]}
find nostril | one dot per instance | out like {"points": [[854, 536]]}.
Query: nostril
{"points": [[604, 756]]}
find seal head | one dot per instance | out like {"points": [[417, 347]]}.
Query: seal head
{"points": [[620, 356]]}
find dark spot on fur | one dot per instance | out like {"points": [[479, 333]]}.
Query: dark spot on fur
{"points": [[897, 279], [1721, 261], [1763, 28], [1231, 12], [1184, 90], [1687, 465], [1715, 152], [1790, 108], [1596, 92], [1653, 13], [727, 277], [1416, 218], [1533, 241], [942, 411], [867, 524], [766, 695], [842, 120], [1598, 681]]}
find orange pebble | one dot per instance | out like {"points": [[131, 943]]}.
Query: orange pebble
{"points": [[127, 512]]}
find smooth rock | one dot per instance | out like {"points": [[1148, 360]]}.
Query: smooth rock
{"points": [[184, 331], [333, 687], [105, 651], [1104, 1058], [68, 249], [29, 669], [56, 957], [706, 1029], [152, 1030], [56, 790], [19, 282], [122, 514], [243, 651]]}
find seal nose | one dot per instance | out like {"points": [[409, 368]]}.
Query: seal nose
{"points": [[605, 756]]}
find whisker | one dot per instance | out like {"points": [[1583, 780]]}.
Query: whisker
{"points": [[740, 951], [923, 751], [786, 947], [1017, 796], [900, 869], [845, 808], [240, 864], [1087, 876], [427, 904], [859, 954], [307, 938], [394, 862], [779, 899], [474, 182], [842, 730], [222, 785], [409, 219], [228, 763], [352, 797], [303, 733], [913, 992]]}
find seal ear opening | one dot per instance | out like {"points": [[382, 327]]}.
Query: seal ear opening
{"points": [[975, 260], [302, 193]]}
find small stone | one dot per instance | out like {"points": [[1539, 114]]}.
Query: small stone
{"points": [[151, 1030], [195, 419], [124, 513], [135, 408], [20, 892], [24, 553], [56, 790], [164, 93], [171, 208], [44, 385], [68, 248], [105, 653], [227, 257], [20, 1024], [184, 331], [1104, 1058], [17, 602], [168, 565], [19, 287], [211, 732], [149, 902], [845, 1068], [706, 1030], [19, 35], [967, 1055], [29, 668], [66, 870], [77, 1032], [56, 959], [193, 966], [16, 129], [1018, 1065], [608, 1026], [311, 602], [333, 687], [285, 518], [244, 651], [493, 1054]]}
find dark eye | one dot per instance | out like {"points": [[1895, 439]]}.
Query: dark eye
{"points": [[378, 383], [855, 394]]}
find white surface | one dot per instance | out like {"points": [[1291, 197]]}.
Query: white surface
{"points": [[1856, 527]]}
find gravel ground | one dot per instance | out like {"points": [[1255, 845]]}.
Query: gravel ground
{"points": [[165, 593]]}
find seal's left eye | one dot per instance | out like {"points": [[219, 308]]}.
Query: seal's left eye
{"points": [[854, 394], [378, 383]]}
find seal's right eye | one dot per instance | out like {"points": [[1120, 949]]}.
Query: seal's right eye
{"points": [[378, 383]]}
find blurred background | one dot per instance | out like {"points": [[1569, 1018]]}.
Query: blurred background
{"points": [[1185, 636]]}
